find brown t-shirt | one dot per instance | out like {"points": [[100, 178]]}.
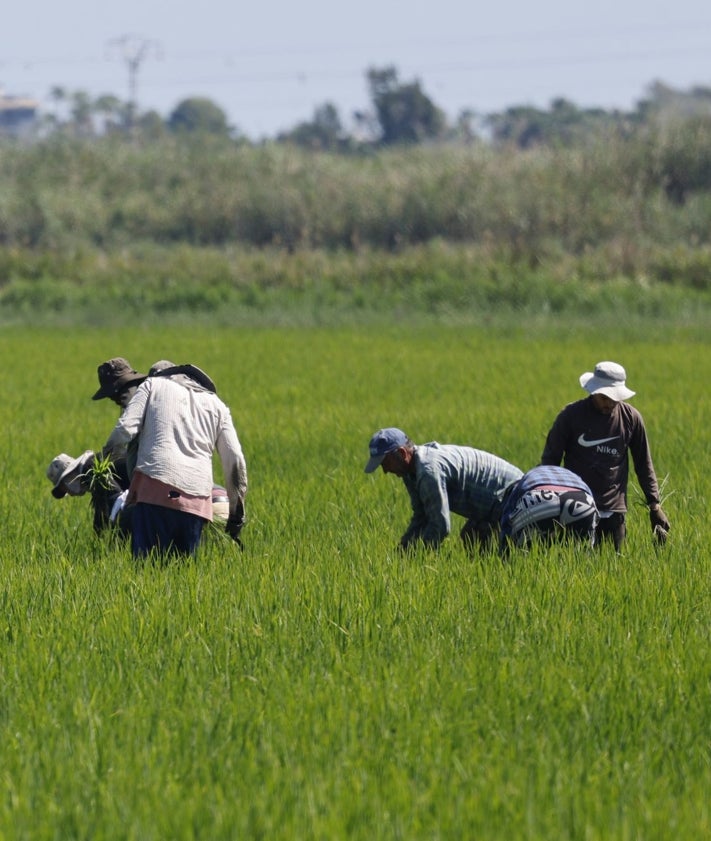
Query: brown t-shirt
{"points": [[595, 446]]}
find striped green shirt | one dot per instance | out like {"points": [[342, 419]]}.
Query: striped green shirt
{"points": [[448, 478]]}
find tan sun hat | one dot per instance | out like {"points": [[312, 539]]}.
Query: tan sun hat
{"points": [[64, 472], [165, 368], [608, 378]]}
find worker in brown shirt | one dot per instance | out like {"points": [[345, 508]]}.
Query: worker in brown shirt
{"points": [[593, 437]]}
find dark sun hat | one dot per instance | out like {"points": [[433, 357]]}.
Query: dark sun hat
{"points": [[115, 375]]}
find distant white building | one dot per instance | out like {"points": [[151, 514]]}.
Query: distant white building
{"points": [[18, 115]]}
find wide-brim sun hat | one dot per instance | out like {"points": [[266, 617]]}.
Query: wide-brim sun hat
{"points": [[608, 378], [165, 368], [61, 470], [115, 375]]}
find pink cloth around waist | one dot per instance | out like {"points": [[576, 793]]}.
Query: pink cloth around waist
{"points": [[154, 492]]}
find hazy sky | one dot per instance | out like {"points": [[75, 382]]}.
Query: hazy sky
{"points": [[269, 65]]}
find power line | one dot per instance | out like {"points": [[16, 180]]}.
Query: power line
{"points": [[136, 44], [474, 60], [134, 50]]}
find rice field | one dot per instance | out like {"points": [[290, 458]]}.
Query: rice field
{"points": [[318, 685]]}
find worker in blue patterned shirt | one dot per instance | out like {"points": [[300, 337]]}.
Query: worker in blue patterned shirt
{"points": [[442, 479]]}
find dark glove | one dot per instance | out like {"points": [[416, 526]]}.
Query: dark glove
{"points": [[235, 524], [660, 525]]}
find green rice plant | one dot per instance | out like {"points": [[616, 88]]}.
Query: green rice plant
{"points": [[319, 684], [101, 473]]}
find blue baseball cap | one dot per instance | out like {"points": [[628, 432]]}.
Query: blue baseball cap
{"points": [[383, 442]]}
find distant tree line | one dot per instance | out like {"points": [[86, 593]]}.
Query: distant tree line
{"points": [[400, 113], [78, 115]]}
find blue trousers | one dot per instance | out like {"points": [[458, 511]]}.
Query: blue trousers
{"points": [[164, 531]]}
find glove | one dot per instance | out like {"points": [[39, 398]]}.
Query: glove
{"points": [[235, 524], [233, 529], [660, 524]]}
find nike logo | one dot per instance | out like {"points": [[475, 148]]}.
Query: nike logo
{"points": [[584, 443]]}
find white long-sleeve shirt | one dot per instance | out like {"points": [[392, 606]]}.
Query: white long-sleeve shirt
{"points": [[179, 425]]}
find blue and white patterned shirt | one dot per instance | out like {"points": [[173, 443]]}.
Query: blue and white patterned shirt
{"points": [[537, 496]]}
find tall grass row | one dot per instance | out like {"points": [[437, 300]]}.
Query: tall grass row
{"points": [[108, 193]]}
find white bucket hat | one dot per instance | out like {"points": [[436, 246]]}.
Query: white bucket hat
{"points": [[608, 379], [63, 471]]}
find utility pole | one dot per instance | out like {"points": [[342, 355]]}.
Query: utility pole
{"points": [[133, 50]]}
